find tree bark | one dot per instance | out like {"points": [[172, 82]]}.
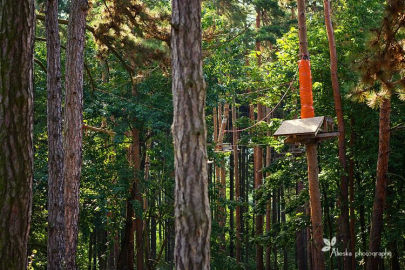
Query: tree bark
{"points": [[316, 210], [312, 161], [16, 124], [302, 30], [258, 162], [192, 211], [258, 180], [344, 228], [56, 226], [73, 125], [381, 183]]}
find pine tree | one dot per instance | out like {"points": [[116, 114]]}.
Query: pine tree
{"points": [[192, 212], [16, 127]]}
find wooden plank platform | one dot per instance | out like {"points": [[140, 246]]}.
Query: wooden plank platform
{"points": [[306, 126]]}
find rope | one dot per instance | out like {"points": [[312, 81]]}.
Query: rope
{"points": [[278, 104], [262, 89]]}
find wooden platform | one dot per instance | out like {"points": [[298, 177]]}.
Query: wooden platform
{"points": [[307, 130]]}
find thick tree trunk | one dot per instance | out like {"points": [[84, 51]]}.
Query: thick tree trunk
{"points": [[316, 210], [302, 30], [237, 184], [381, 183], [16, 123], [73, 125], [344, 228], [312, 161], [56, 226], [192, 211], [126, 257]]}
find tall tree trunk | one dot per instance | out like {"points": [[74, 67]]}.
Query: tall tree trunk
{"points": [[304, 54], [73, 125], [56, 227], [133, 223], [16, 123], [316, 210], [258, 180], [381, 183], [302, 30], [312, 158], [344, 228], [126, 256], [102, 248], [192, 211], [237, 183], [258, 162]]}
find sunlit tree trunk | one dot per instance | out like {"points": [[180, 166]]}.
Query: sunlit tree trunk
{"points": [[381, 183], [312, 161], [258, 163], [56, 241], [73, 125], [344, 231], [16, 124], [192, 211], [316, 211]]}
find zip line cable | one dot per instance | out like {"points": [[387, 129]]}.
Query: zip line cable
{"points": [[278, 104]]}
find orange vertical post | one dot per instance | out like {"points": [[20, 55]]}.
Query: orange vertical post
{"points": [[305, 79]]}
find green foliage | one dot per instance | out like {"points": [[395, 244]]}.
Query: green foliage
{"points": [[127, 85]]}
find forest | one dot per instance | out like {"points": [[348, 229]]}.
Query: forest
{"points": [[190, 134]]}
